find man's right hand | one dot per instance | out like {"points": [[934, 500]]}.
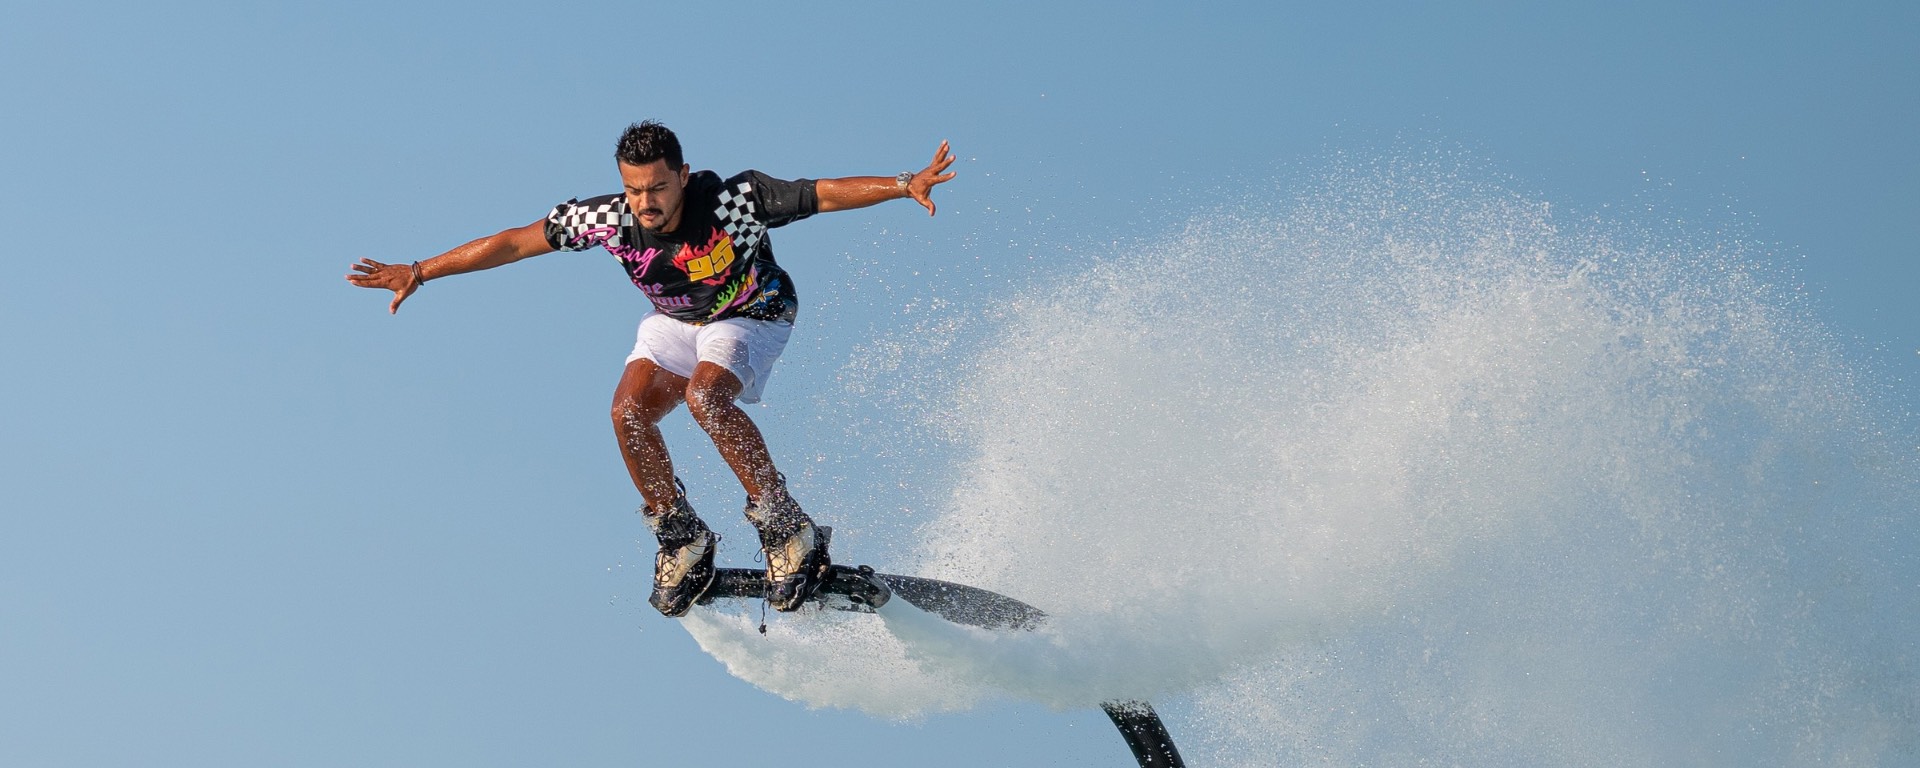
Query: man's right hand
{"points": [[402, 279]]}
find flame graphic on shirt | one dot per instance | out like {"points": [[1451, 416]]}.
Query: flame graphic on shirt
{"points": [[708, 264]]}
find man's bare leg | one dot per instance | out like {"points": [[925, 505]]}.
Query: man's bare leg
{"points": [[795, 549], [647, 393], [683, 568], [710, 399]]}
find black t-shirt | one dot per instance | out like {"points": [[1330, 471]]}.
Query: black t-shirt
{"points": [[717, 264]]}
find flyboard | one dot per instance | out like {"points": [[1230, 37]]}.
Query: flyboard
{"points": [[849, 589]]}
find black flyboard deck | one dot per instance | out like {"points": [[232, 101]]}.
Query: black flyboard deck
{"points": [[845, 589]]}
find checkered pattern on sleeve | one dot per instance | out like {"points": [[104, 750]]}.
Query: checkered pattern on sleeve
{"points": [[740, 217], [577, 226]]}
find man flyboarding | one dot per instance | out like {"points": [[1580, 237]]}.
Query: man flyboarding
{"points": [[697, 245]]}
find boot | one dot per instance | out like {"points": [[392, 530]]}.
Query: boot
{"points": [[683, 569], [796, 550]]}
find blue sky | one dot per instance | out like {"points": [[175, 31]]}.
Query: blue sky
{"points": [[246, 517]]}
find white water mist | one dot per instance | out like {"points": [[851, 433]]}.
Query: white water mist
{"points": [[1406, 471]]}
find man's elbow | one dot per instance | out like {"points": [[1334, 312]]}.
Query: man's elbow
{"points": [[524, 242]]}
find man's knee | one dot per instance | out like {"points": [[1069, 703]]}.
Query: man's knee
{"points": [[706, 403], [647, 393], [629, 414], [710, 392]]}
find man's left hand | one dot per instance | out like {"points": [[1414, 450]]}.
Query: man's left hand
{"points": [[921, 186]]}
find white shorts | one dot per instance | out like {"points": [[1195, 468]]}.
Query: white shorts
{"points": [[747, 348]]}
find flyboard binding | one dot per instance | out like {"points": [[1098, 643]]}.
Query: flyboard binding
{"points": [[850, 588]]}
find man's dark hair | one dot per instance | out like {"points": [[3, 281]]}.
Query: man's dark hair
{"points": [[646, 142]]}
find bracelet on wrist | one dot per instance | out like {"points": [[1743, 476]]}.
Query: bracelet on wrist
{"points": [[418, 279]]}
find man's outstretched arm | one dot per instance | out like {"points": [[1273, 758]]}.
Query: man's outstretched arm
{"points": [[505, 247], [862, 191]]}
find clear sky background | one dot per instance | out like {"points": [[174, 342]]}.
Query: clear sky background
{"points": [[247, 518]]}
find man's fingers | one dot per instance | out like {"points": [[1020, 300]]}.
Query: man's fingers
{"points": [[373, 274], [369, 273], [942, 160], [369, 277]]}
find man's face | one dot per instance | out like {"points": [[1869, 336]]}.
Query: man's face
{"points": [[654, 193]]}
